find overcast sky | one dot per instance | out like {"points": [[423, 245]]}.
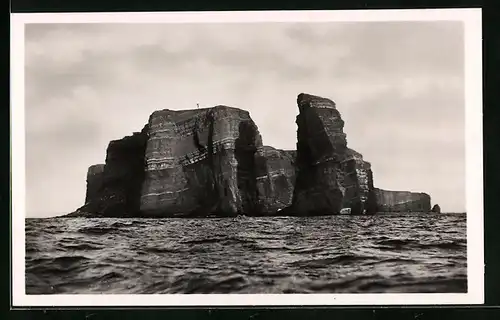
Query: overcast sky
{"points": [[399, 86]]}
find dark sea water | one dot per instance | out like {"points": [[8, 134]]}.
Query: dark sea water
{"points": [[336, 254]]}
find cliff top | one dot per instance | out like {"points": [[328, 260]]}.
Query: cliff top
{"points": [[353, 153], [192, 112], [95, 169], [125, 141], [218, 112], [271, 151], [401, 192]]}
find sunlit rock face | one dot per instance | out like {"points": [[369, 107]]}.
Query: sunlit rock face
{"points": [[275, 172], [329, 175], [402, 201], [200, 162]]}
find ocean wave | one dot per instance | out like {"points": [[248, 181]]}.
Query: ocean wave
{"points": [[159, 249], [327, 262], [448, 245], [82, 246], [208, 284], [57, 265], [412, 244], [224, 240], [97, 230]]}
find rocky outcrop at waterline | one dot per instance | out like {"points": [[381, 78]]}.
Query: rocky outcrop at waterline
{"points": [[212, 162]]}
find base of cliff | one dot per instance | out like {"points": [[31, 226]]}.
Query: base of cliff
{"points": [[280, 213], [82, 214]]}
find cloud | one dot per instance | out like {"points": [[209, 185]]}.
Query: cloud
{"points": [[398, 85]]}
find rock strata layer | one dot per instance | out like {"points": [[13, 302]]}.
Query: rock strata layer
{"points": [[114, 189], [211, 162], [200, 162]]}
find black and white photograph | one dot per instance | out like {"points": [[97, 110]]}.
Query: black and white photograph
{"points": [[248, 158]]}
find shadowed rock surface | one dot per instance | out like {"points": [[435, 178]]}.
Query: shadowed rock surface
{"points": [[114, 189], [330, 176], [200, 162], [402, 201], [211, 162], [436, 208], [275, 171], [95, 181]]}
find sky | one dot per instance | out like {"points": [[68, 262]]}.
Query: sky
{"points": [[399, 87]]}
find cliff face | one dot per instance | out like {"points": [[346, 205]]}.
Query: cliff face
{"points": [[196, 163], [114, 189], [95, 179], [200, 162], [275, 174], [329, 175], [192, 163], [402, 201], [356, 178]]}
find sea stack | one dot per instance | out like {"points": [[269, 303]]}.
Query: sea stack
{"points": [[330, 176], [436, 208]]}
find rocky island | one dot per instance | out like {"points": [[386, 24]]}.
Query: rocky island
{"points": [[212, 162]]}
